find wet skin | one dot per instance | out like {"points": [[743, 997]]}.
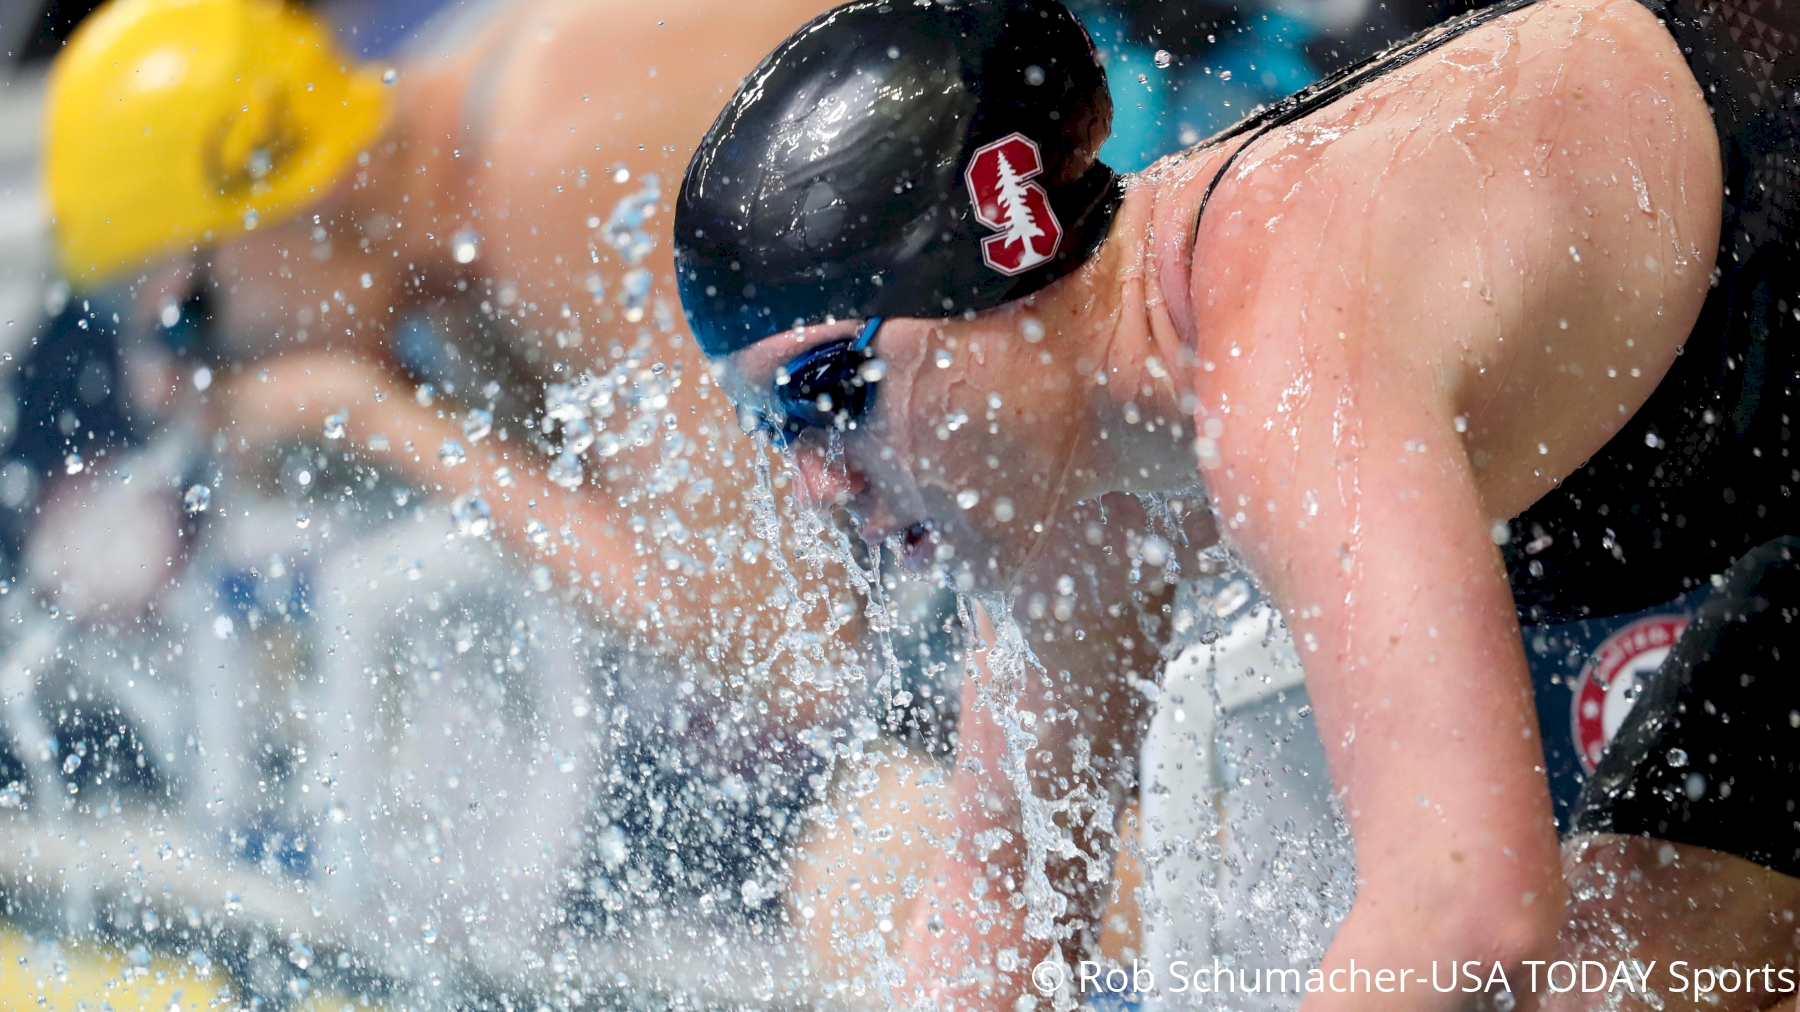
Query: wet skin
{"points": [[1405, 317], [1643, 899]]}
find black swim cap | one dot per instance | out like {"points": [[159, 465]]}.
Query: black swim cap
{"points": [[897, 158]]}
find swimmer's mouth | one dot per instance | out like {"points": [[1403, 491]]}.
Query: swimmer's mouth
{"points": [[914, 546]]}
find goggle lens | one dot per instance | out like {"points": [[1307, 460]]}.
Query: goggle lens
{"points": [[828, 387]]}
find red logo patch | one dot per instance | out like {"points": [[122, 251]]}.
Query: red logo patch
{"points": [[1611, 680], [1006, 200]]}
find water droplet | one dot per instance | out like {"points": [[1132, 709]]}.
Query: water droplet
{"points": [[1224, 75], [471, 515], [1003, 510], [537, 533], [1034, 75], [452, 453], [197, 499], [873, 371], [424, 395], [428, 933], [1155, 552], [71, 764], [577, 436], [1694, 786], [477, 424], [335, 424], [942, 358], [1678, 758], [1143, 78], [1164, 58], [72, 464], [634, 293], [1032, 330], [250, 219], [753, 893], [302, 521], [566, 471], [465, 246], [390, 75], [621, 175], [967, 498], [202, 378]]}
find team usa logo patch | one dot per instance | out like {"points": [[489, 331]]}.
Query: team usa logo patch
{"points": [[1007, 200], [1613, 678]]}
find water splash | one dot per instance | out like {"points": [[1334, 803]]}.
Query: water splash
{"points": [[625, 228]]}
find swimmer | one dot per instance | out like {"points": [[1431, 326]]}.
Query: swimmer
{"points": [[1513, 283], [328, 201]]}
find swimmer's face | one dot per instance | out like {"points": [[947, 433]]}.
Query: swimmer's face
{"points": [[962, 449]]}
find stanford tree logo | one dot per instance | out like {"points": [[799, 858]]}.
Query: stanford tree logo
{"points": [[1005, 199]]}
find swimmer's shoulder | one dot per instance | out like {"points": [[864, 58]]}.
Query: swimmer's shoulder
{"points": [[1530, 209]]}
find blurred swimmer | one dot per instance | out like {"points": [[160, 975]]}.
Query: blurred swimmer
{"points": [[480, 216], [1333, 314]]}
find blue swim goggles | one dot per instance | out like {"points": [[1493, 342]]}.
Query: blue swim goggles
{"points": [[828, 387]]}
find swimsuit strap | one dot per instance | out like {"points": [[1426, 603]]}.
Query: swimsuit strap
{"points": [[1338, 85]]}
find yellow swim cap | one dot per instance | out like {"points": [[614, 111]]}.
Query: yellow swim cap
{"points": [[175, 122]]}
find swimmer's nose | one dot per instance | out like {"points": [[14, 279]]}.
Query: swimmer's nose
{"points": [[828, 481]]}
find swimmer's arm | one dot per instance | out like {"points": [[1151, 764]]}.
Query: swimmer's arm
{"points": [[290, 397], [1361, 514], [1417, 267]]}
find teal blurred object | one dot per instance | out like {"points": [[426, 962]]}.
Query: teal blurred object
{"points": [[1160, 110]]}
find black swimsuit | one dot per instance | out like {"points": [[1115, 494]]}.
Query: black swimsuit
{"points": [[1699, 478], [1703, 472]]}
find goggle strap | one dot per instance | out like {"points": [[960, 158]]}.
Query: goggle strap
{"points": [[867, 335]]}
